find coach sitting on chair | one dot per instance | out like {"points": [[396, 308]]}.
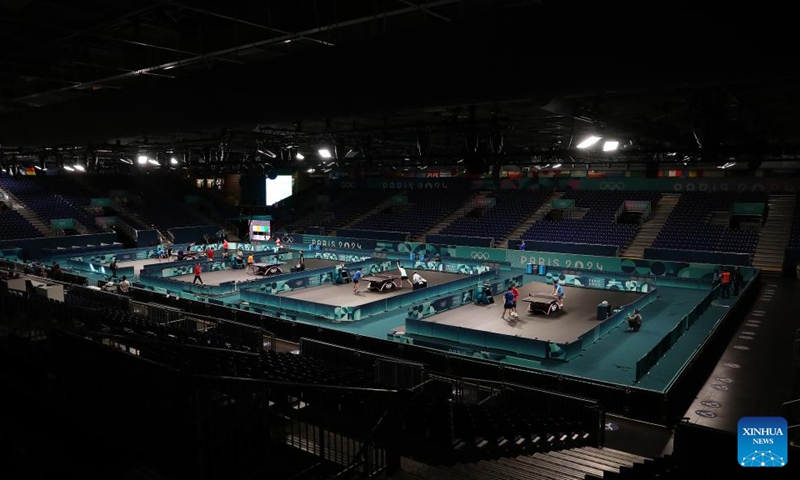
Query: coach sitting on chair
{"points": [[634, 321], [418, 281]]}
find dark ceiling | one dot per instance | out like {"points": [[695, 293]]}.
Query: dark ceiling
{"points": [[377, 81]]}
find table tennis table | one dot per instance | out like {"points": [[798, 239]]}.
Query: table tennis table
{"points": [[188, 255], [381, 283], [541, 302], [266, 269]]}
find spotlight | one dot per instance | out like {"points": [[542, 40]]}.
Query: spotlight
{"points": [[324, 153], [142, 159], [588, 142], [610, 146], [173, 161], [299, 156]]}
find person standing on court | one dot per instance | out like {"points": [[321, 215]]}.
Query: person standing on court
{"points": [[113, 267], [725, 281], [508, 304], [356, 279], [224, 247], [403, 276], [516, 296], [210, 253], [197, 271], [558, 292]]}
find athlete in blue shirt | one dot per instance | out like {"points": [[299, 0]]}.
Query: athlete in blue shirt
{"points": [[508, 304], [356, 279], [558, 292]]}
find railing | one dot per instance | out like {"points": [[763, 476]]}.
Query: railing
{"points": [[254, 337], [389, 372], [588, 413], [126, 229], [226, 427]]}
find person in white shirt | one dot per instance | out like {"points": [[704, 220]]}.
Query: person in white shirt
{"points": [[124, 285], [403, 276], [418, 281]]}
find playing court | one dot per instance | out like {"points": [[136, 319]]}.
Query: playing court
{"points": [[578, 316], [341, 295]]}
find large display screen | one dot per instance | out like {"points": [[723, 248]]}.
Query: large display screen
{"points": [[259, 230], [279, 188]]}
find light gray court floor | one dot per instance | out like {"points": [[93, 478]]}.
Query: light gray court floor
{"points": [[342, 295], [578, 317]]}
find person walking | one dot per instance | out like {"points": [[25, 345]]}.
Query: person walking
{"points": [[404, 276], [197, 271], [508, 305]]}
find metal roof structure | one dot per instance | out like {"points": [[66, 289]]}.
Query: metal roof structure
{"points": [[378, 82]]}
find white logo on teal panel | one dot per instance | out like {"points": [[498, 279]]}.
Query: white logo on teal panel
{"points": [[762, 442]]}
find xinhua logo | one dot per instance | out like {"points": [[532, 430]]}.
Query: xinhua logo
{"points": [[762, 442]]}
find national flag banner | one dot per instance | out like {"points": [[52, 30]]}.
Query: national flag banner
{"points": [[30, 171]]}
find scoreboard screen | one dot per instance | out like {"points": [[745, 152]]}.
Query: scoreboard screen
{"points": [[259, 230]]}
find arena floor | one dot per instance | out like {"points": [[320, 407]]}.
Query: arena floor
{"points": [[578, 317]]}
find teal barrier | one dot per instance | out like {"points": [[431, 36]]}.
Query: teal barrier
{"points": [[517, 258], [11, 254], [434, 305], [107, 256], [749, 208], [622, 282], [178, 288], [97, 268], [100, 202], [651, 358], [562, 203], [62, 223]]}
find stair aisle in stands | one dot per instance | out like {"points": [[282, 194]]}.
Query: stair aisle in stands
{"points": [[775, 233], [574, 464], [465, 209], [28, 214], [650, 229], [523, 227]]}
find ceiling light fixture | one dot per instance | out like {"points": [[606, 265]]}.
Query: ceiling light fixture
{"points": [[299, 156], [324, 153], [610, 146], [142, 159], [588, 142]]}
